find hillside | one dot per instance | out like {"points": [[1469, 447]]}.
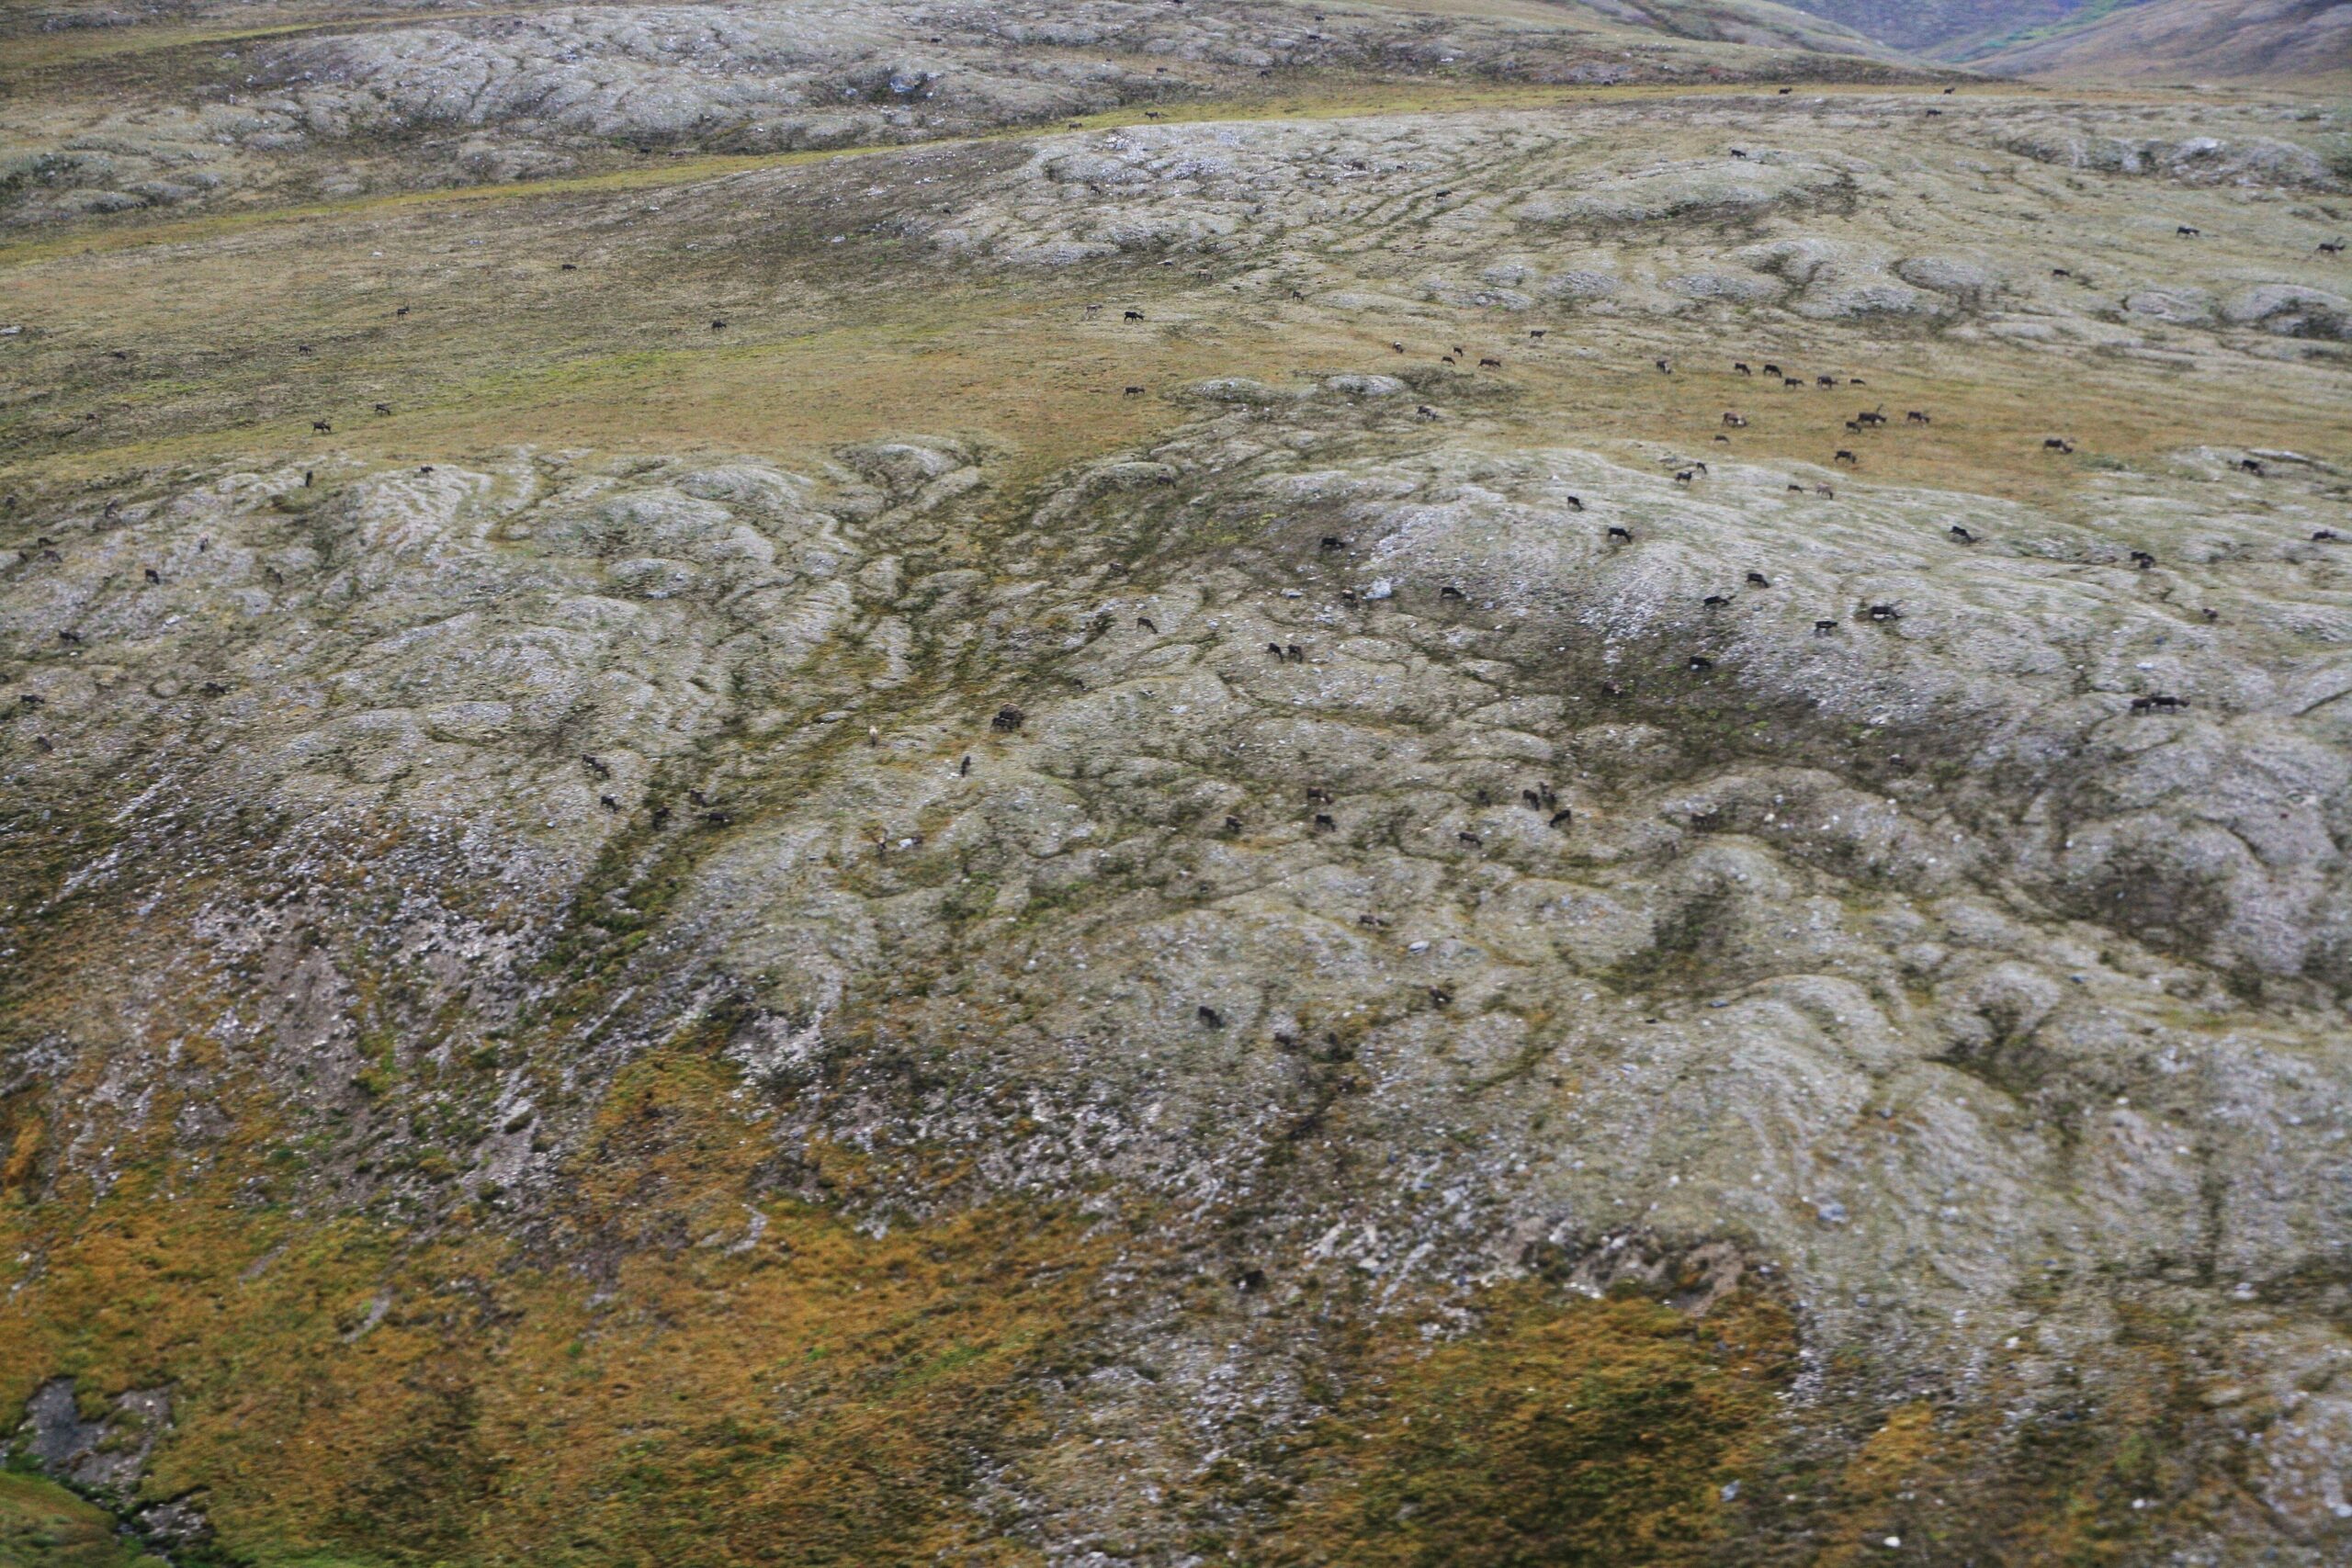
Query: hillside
{"points": [[1940, 29], [2190, 40], [1152, 785]]}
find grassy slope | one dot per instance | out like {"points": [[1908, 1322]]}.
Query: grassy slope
{"points": [[2177, 40], [44, 1526], [818, 1399]]}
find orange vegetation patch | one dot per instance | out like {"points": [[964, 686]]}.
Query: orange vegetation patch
{"points": [[1589, 1432], [698, 1364]]}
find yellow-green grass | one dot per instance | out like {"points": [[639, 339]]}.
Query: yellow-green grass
{"points": [[44, 1526]]}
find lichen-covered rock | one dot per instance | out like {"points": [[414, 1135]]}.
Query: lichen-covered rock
{"points": [[2290, 311]]}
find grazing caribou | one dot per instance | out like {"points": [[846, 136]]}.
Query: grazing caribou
{"points": [[321, 427], [1758, 580], [1490, 363], [1823, 629], [1008, 719], [2159, 703], [1962, 534], [1845, 457], [1918, 416]]}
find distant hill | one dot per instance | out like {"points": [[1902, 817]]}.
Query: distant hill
{"points": [[2189, 40], [1760, 23], [1944, 29]]}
